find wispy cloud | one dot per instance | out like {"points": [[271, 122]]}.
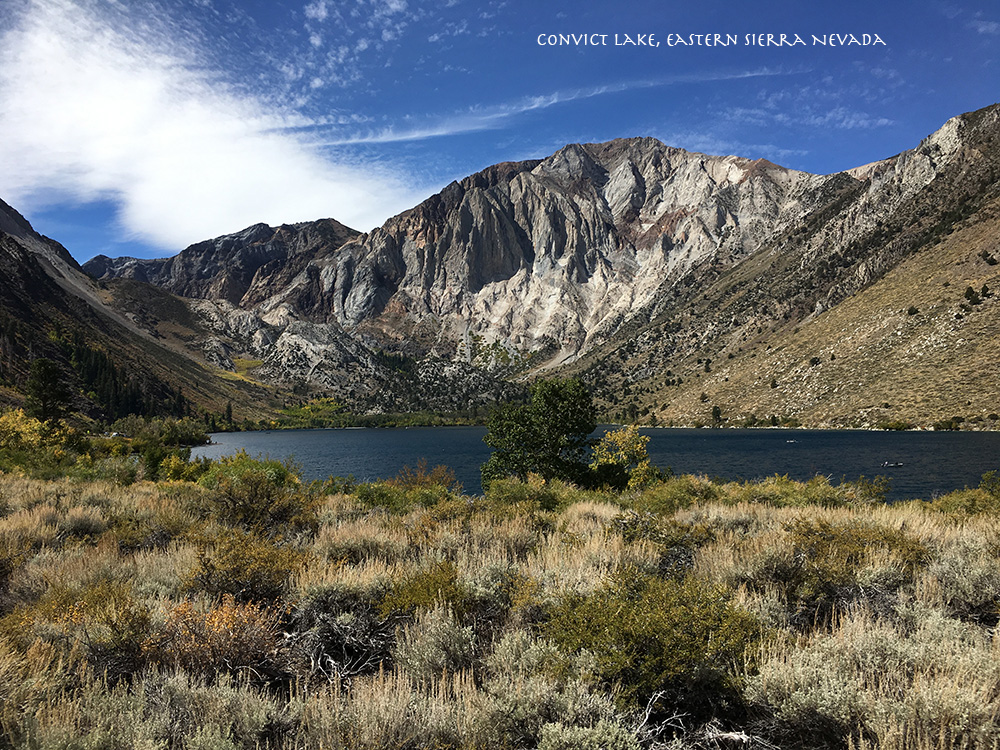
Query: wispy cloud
{"points": [[350, 36], [93, 111], [842, 118], [827, 104], [986, 27], [498, 116]]}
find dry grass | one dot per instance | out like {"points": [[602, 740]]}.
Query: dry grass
{"points": [[925, 682], [880, 619]]}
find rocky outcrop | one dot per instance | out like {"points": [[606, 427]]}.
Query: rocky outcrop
{"points": [[242, 268], [557, 252]]}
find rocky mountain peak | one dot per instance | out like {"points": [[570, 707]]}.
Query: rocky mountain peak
{"points": [[12, 223]]}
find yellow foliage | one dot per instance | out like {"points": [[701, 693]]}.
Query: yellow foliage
{"points": [[622, 447], [624, 452], [18, 431]]}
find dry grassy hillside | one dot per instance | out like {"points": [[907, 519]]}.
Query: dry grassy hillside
{"points": [[912, 348]]}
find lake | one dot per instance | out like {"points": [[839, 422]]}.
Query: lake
{"points": [[921, 464]]}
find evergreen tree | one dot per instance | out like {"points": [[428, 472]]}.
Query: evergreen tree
{"points": [[46, 390]]}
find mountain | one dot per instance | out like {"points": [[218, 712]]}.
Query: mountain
{"points": [[530, 254], [50, 308], [669, 280], [876, 309]]}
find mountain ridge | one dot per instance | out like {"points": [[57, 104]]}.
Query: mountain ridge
{"points": [[553, 263]]}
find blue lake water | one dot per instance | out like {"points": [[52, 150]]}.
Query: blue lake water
{"points": [[930, 463]]}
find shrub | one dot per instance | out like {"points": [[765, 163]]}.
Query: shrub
{"points": [[409, 490], [677, 643], [529, 684], [677, 541], [676, 493], [153, 524], [435, 644], [869, 490], [83, 522], [824, 559], [425, 589], [243, 566], [382, 495], [534, 493], [226, 637], [927, 682], [260, 495], [339, 634], [161, 431], [966, 502], [620, 460], [179, 468], [966, 574], [440, 477], [157, 710], [896, 424], [605, 735], [20, 432], [782, 492], [102, 618]]}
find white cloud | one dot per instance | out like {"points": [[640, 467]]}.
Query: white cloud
{"points": [[90, 112], [317, 11], [986, 27], [497, 116]]}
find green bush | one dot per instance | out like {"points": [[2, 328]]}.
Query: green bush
{"points": [[677, 541], [985, 499], [534, 493], [399, 498], [605, 735], [243, 566], [679, 644], [821, 569], [676, 493], [261, 495], [967, 502], [426, 589]]}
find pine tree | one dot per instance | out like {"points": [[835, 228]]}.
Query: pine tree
{"points": [[46, 390]]}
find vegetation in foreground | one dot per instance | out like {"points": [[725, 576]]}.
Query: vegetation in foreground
{"points": [[230, 605]]}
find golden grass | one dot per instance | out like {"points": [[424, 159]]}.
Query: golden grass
{"points": [[901, 652]]}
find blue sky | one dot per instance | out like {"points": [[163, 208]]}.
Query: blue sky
{"points": [[139, 127]]}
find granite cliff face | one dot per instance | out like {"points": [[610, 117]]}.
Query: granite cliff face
{"points": [[554, 253], [546, 255], [549, 262]]}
